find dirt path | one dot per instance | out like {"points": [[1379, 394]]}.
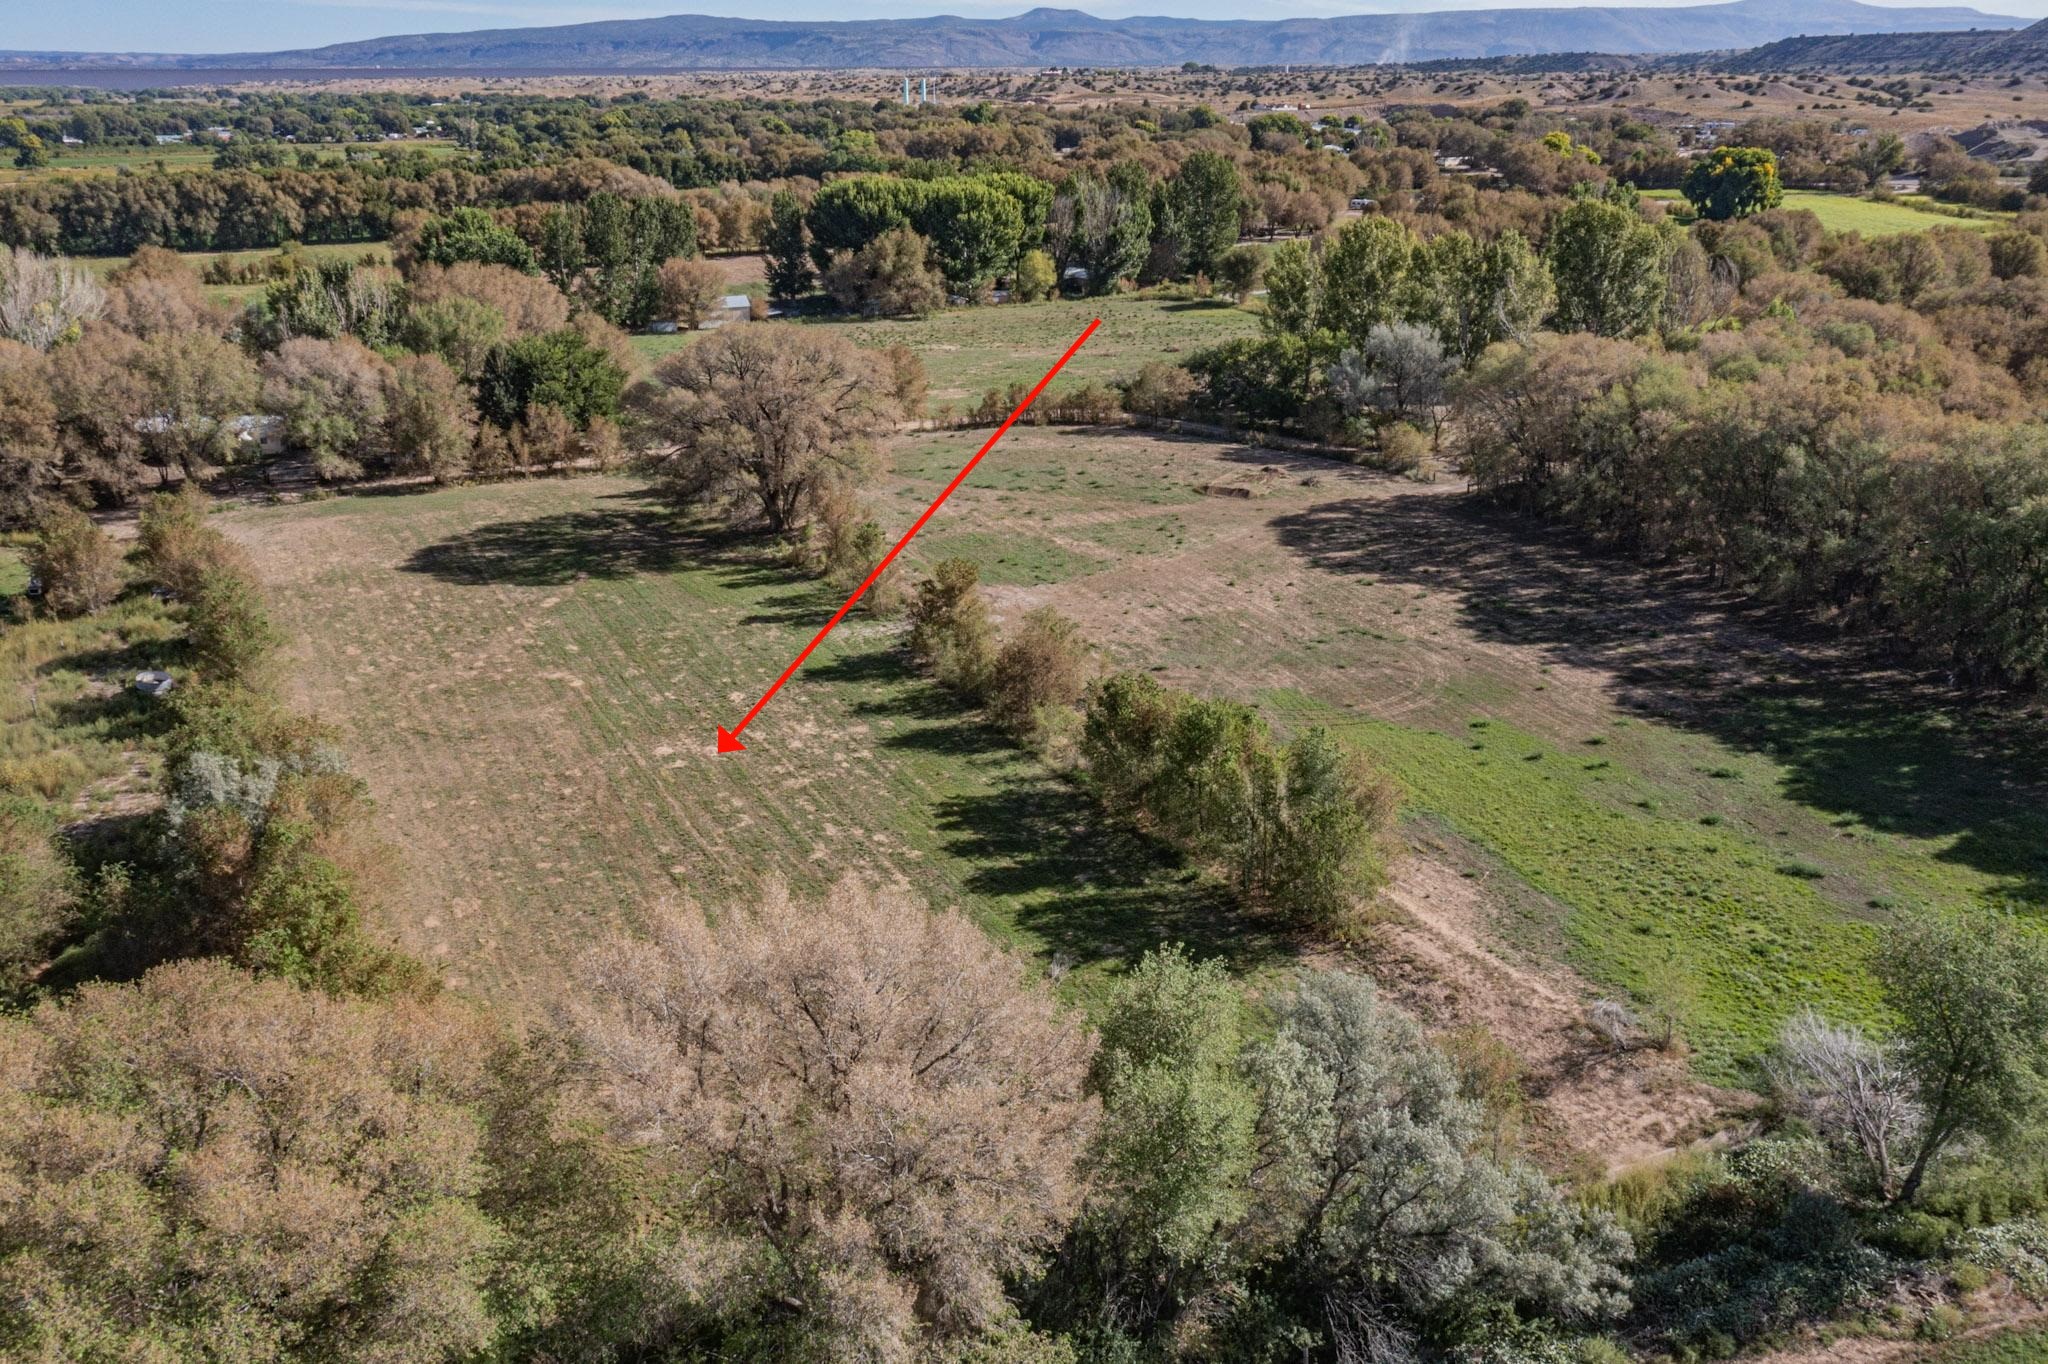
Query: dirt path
{"points": [[1444, 959]]}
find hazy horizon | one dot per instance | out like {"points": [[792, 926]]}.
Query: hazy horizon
{"points": [[253, 26]]}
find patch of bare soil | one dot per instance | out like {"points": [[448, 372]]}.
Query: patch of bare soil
{"points": [[1442, 957], [1992, 1313]]}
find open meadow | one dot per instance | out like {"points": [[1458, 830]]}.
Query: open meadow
{"points": [[968, 351], [1616, 784], [1871, 217]]}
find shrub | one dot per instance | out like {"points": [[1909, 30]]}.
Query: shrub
{"points": [[949, 627], [1304, 824], [908, 381], [1405, 450], [1044, 665], [178, 546], [1238, 271], [1036, 279], [79, 563], [37, 891], [1088, 405], [1160, 390], [232, 637]]}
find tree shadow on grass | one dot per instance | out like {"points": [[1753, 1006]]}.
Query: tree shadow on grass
{"points": [[1861, 736], [892, 687], [1091, 888], [633, 533]]}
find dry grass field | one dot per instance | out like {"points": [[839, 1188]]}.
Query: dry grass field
{"points": [[1616, 783]]}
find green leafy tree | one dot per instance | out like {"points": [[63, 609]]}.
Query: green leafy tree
{"points": [[1366, 278], [562, 257], [1971, 994], [233, 640], [1205, 200], [562, 370], [788, 248], [1485, 293], [1102, 224], [1608, 265], [1733, 182], [471, 234], [975, 231], [950, 631], [1171, 1162], [1238, 271]]}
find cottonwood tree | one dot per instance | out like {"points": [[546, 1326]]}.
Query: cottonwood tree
{"points": [[331, 395], [1485, 293], [208, 1165], [690, 289], [871, 1088], [1204, 202], [763, 418], [1608, 265], [787, 246], [1169, 1167], [1102, 223], [566, 370], [430, 420], [470, 234]]}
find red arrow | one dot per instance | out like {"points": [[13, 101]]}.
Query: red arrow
{"points": [[729, 739]]}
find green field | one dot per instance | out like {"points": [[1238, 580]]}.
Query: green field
{"points": [[1849, 213], [530, 675], [970, 350]]}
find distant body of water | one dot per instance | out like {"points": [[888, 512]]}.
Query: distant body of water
{"points": [[167, 78]]}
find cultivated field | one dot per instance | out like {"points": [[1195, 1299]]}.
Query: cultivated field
{"points": [[1615, 783]]}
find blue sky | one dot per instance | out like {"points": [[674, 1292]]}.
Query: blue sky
{"points": [[267, 25]]}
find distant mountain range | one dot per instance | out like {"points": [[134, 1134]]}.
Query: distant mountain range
{"points": [[2010, 52], [1058, 37]]}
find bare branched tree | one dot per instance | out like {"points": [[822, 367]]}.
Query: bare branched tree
{"points": [[1853, 1089], [871, 1087]]}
